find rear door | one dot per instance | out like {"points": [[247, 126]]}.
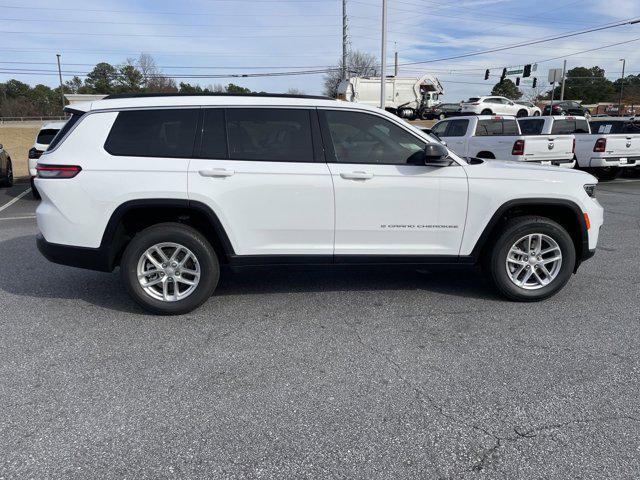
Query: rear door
{"points": [[387, 204], [455, 135], [261, 170]]}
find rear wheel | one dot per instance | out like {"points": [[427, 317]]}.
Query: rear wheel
{"points": [[7, 179], [606, 173], [522, 113], [170, 269], [532, 259], [536, 113], [486, 111]]}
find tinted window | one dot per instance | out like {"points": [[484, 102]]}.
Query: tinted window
{"points": [[440, 128], [75, 118], [582, 126], [367, 138], [214, 135], [277, 135], [473, 99], [153, 133], [497, 127], [45, 136], [457, 128], [531, 127], [563, 127], [607, 127]]}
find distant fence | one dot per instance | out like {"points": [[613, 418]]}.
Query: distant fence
{"points": [[30, 119]]}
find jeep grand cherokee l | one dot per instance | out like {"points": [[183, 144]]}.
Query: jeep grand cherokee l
{"points": [[168, 188]]}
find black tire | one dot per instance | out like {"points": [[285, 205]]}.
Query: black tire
{"points": [[442, 116], [486, 111], [34, 190], [536, 113], [522, 113], [606, 173], [7, 179], [182, 235], [514, 230], [424, 114]]}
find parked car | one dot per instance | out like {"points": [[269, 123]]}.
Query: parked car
{"points": [[500, 137], [566, 107], [532, 109], [611, 145], [6, 168], [171, 187], [442, 111], [493, 106], [45, 135]]}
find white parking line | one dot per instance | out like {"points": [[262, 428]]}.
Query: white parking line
{"points": [[18, 218], [11, 202]]}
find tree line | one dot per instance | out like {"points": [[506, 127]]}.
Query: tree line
{"points": [[141, 75], [587, 84]]}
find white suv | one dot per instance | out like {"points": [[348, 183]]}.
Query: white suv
{"points": [[493, 106], [170, 187], [45, 136]]}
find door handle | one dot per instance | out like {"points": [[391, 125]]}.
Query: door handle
{"points": [[217, 173], [357, 176]]}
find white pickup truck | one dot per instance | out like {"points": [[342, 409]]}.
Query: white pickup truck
{"points": [[499, 137], [612, 144]]}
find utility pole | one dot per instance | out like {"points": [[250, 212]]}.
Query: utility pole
{"points": [[621, 87], [564, 74], [60, 76], [395, 70], [383, 69], [345, 39]]}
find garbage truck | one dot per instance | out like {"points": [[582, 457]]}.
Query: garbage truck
{"points": [[407, 97]]}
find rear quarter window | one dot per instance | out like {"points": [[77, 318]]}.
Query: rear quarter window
{"points": [[167, 133], [75, 118]]}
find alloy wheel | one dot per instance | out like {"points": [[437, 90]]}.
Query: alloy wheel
{"points": [[534, 261]]}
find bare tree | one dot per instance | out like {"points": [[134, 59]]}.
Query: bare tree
{"points": [[295, 91], [534, 94], [359, 64]]}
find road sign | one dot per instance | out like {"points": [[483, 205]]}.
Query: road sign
{"points": [[555, 75]]}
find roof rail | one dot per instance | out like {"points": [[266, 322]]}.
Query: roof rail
{"points": [[213, 94]]}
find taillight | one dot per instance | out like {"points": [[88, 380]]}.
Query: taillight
{"points": [[57, 171], [34, 153], [601, 145], [573, 149], [518, 148]]}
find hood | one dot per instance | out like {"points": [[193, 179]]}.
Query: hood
{"points": [[526, 171]]}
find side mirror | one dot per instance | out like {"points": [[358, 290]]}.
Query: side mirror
{"points": [[436, 154]]}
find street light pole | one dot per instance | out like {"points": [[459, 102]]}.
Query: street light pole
{"points": [[383, 69], [621, 87], [60, 76]]}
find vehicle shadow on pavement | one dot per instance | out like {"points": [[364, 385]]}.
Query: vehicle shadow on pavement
{"points": [[8, 193], [26, 273]]}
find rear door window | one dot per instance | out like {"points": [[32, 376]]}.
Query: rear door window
{"points": [[531, 127], [168, 133], [457, 128], [270, 134]]}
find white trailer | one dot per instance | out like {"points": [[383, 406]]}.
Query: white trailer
{"points": [[407, 97]]}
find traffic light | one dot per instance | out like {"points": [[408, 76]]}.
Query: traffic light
{"points": [[504, 74], [535, 82], [517, 81], [527, 71], [486, 74]]}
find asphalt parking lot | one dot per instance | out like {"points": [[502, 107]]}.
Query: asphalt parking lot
{"points": [[321, 374]]}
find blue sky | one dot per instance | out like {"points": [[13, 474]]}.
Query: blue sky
{"points": [[245, 36]]}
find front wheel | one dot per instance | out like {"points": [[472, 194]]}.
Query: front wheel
{"points": [[532, 259], [522, 113], [486, 111], [536, 113], [170, 269]]}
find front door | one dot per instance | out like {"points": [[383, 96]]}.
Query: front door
{"points": [[387, 204]]}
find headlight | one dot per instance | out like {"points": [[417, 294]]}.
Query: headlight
{"points": [[591, 190]]}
